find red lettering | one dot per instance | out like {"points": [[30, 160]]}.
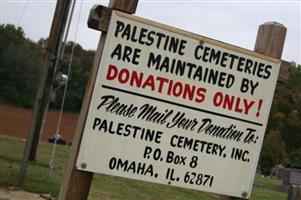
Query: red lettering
{"points": [[123, 76], [237, 108], [201, 93], [233, 103], [161, 83], [137, 79], [189, 92], [150, 82], [177, 89], [169, 87], [248, 105], [218, 99], [228, 102], [112, 72]]}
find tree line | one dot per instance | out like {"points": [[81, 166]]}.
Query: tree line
{"points": [[21, 64]]}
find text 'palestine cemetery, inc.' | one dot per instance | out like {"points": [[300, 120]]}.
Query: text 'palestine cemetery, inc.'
{"points": [[176, 108]]}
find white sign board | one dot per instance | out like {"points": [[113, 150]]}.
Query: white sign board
{"points": [[175, 108]]}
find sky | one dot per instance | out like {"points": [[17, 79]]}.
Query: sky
{"points": [[233, 22]]}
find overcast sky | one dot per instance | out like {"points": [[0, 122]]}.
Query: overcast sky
{"points": [[233, 22]]}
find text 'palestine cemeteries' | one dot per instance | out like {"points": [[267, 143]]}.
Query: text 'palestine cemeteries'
{"points": [[176, 108]]}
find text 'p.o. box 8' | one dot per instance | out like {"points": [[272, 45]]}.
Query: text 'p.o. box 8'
{"points": [[175, 108]]}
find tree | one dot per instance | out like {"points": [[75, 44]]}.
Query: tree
{"points": [[285, 115], [272, 153], [294, 158], [292, 136], [20, 67], [78, 77]]}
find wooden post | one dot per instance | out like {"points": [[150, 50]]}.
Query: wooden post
{"points": [[46, 83], [43, 99], [76, 184], [270, 41], [294, 192]]}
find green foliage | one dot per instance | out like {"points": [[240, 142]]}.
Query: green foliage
{"points": [[284, 120], [20, 67], [272, 153], [9, 34], [292, 130], [78, 77], [294, 158]]}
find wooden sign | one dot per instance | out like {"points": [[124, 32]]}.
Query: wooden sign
{"points": [[176, 108]]}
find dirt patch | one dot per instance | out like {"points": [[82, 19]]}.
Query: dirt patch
{"points": [[15, 194], [15, 121]]}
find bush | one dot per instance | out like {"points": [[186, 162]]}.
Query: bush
{"points": [[272, 153], [294, 158]]}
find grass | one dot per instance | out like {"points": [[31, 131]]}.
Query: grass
{"points": [[40, 179]]}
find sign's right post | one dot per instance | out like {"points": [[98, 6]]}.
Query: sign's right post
{"points": [[270, 41]]}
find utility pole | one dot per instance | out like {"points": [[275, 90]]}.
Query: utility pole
{"points": [[46, 84], [43, 97]]}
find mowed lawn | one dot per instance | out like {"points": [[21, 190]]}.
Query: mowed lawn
{"points": [[41, 179]]}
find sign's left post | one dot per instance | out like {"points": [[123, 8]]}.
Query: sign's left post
{"points": [[76, 184]]}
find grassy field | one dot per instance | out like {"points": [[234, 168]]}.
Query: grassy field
{"points": [[40, 179]]}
